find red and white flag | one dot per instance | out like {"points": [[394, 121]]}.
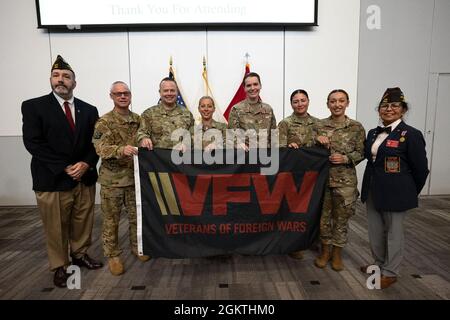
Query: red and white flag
{"points": [[239, 96]]}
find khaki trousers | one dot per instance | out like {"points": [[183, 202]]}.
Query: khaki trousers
{"points": [[68, 218]]}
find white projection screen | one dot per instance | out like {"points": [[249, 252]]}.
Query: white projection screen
{"points": [[141, 13]]}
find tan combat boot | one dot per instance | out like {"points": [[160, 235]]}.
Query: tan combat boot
{"points": [[142, 258], [322, 260], [296, 255], [115, 266], [336, 259]]}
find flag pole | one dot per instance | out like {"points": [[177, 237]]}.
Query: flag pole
{"points": [[205, 76]]}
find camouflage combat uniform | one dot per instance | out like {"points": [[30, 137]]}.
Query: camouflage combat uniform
{"points": [[300, 130], [346, 138], [200, 140], [257, 116], [116, 176], [157, 123]]}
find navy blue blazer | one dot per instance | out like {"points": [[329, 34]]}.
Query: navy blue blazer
{"points": [[399, 171], [52, 144]]}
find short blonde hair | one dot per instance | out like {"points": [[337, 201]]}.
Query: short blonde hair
{"points": [[204, 98]]}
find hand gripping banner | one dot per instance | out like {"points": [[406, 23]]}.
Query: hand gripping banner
{"points": [[199, 210]]}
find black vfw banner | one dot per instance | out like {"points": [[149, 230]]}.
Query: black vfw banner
{"points": [[198, 210]]}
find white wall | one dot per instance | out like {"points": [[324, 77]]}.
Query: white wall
{"points": [[142, 59], [318, 60], [150, 53], [98, 60], [15, 182], [438, 149], [411, 49], [340, 53], [24, 61], [226, 51], [325, 59], [438, 115], [440, 41], [397, 54]]}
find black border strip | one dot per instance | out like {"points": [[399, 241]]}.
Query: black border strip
{"points": [[176, 26]]}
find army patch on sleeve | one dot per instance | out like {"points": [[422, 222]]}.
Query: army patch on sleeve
{"points": [[392, 164]]}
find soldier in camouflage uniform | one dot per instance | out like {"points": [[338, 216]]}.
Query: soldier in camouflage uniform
{"points": [[298, 130], [345, 139], [158, 122], [206, 108], [252, 113], [114, 140]]}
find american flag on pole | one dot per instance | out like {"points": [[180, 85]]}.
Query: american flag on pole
{"points": [[180, 100]]}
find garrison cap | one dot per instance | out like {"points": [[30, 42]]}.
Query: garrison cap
{"points": [[61, 64], [393, 95]]}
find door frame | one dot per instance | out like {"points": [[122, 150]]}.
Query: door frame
{"points": [[430, 124]]}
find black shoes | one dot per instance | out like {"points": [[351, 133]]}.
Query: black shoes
{"points": [[86, 261], [60, 277], [364, 268]]}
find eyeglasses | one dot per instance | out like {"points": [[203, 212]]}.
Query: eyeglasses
{"points": [[394, 106], [119, 94]]}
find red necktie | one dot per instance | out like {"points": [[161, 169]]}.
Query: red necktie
{"points": [[69, 115]]}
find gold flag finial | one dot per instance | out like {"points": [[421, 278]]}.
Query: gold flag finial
{"points": [[171, 61], [204, 64]]}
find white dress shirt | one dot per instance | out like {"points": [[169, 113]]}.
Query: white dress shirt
{"points": [[71, 105], [381, 137]]}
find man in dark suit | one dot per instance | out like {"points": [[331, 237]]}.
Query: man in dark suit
{"points": [[57, 131]]}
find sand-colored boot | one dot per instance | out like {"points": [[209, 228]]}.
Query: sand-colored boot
{"points": [[142, 258], [322, 260], [336, 259], [296, 255], [115, 266]]}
